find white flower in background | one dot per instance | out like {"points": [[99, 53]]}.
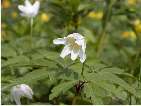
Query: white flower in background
{"points": [[75, 45], [19, 91], [29, 10]]}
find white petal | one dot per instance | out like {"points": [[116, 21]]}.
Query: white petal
{"points": [[77, 36], [23, 14], [27, 3], [19, 91], [15, 95], [59, 41], [17, 99], [80, 42], [70, 35], [22, 8], [29, 94], [36, 6], [27, 91], [66, 51], [74, 54], [12, 94], [84, 46], [82, 56]]}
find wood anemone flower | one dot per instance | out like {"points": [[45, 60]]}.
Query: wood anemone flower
{"points": [[29, 10], [75, 45]]}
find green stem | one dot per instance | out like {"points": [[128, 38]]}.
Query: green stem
{"points": [[130, 99], [31, 31], [139, 82], [82, 72], [106, 19], [137, 57], [31, 46], [101, 42]]}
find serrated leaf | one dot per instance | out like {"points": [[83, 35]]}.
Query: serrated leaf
{"points": [[121, 94], [94, 93], [29, 78], [61, 88], [112, 78], [33, 76], [88, 90], [96, 66], [113, 70], [8, 51], [109, 87], [49, 54], [67, 74], [16, 60]]}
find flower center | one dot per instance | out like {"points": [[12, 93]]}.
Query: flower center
{"points": [[70, 40], [75, 47], [72, 44]]}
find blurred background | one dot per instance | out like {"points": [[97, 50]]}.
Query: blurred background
{"points": [[58, 18]]}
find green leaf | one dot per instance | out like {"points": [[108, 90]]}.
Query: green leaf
{"points": [[7, 51], [94, 93], [16, 60], [108, 87], [48, 54], [98, 101], [67, 75], [121, 94], [33, 76], [29, 78], [61, 88], [88, 90], [109, 77], [113, 70], [86, 6], [74, 4]]}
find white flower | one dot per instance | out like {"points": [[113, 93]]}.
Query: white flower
{"points": [[19, 91], [75, 45], [29, 10]]}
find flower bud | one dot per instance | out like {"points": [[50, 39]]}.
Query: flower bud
{"points": [[19, 91]]}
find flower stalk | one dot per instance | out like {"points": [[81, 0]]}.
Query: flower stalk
{"points": [[106, 19], [82, 72], [31, 32]]}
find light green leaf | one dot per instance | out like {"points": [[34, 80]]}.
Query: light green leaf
{"points": [[29, 78], [8, 51], [61, 88], [109, 77], [16, 60], [113, 70], [94, 93]]}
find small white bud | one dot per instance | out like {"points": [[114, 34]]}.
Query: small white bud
{"points": [[19, 91]]}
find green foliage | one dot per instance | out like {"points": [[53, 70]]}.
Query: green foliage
{"points": [[61, 88], [29, 78], [103, 84]]}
